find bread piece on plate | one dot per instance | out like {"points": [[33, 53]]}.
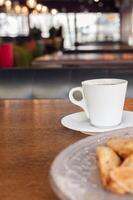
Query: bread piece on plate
{"points": [[107, 161], [115, 188], [123, 177], [122, 146], [128, 162]]}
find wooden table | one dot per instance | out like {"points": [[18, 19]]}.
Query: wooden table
{"points": [[30, 137], [90, 60]]}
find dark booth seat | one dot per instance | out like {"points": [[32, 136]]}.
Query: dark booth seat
{"points": [[52, 83]]}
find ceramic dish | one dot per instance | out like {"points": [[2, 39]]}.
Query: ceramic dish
{"points": [[74, 173], [79, 122]]}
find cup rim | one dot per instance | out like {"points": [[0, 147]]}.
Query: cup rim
{"points": [[106, 82]]}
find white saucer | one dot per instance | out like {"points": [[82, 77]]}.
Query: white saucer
{"points": [[79, 122]]}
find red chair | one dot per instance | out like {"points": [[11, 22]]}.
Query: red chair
{"points": [[0, 56], [6, 55]]}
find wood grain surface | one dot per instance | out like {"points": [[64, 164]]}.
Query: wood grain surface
{"points": [[30, 138], [91, 60]]}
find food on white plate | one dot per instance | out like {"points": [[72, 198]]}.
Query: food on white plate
{"points": [[122, 146], [115, 162], [128, 162], [123, 177], [107, 160]]}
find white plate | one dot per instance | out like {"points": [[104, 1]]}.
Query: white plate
{"points": [[74, 173], [79, 122]]}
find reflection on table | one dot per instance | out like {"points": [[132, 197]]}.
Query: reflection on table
{"points": [[88, 59]]}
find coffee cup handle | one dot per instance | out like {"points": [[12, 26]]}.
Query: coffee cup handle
{"points": [[80, 103]]}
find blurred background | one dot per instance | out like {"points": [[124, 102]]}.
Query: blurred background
{"points": [[60, 33]]}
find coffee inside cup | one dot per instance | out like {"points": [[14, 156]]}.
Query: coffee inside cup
{"points": [[104, 81]]}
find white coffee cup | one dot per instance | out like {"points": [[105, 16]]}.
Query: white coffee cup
{"points": [[102, 100]]}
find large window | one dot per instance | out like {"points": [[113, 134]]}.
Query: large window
{"points": [[98, 27], [90, 27], [12, 25], [45, 22]]}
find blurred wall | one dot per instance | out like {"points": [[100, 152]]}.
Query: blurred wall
{"points": [[126, 14]]}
